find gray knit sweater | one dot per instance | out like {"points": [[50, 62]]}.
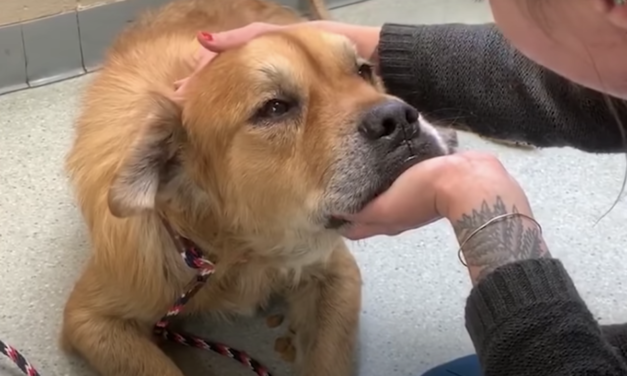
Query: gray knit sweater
{"points": [[524, 318], [469, 74]]}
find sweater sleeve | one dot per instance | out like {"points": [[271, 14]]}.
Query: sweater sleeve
{"points": [[617, 336], [526, 318], [470, 78]]}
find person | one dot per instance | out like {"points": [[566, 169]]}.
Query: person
{"points": [[550, 73]]}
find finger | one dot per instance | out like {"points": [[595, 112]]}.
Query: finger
{"points": [[204, 59], [220, 42], [359, 232], [178, 84], [410, 199], [373, 212], [227, 40]]}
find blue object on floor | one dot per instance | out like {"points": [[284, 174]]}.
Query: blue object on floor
{"points": [[466, 366]]}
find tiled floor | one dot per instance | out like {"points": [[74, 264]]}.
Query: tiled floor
{"points": [[414, 288]]}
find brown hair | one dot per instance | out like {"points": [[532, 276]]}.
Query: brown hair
{"points": [[535, 9]]}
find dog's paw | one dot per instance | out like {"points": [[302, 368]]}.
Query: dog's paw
{"points": [[285, 348], [283, 345]]}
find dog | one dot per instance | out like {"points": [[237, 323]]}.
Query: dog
{"points": [[272, 140]]}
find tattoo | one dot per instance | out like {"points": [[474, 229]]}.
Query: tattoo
{"points": [[505, 241]]}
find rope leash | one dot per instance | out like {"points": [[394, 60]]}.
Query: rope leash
{"points": [[194, 259], [19, 360]]}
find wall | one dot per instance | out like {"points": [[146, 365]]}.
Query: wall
{"points": [[14, 11], [45, 41]]}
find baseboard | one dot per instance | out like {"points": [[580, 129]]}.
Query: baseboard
{"points": [[59, 47]]}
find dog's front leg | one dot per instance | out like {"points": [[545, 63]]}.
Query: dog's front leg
{"points": [[324, 315]]}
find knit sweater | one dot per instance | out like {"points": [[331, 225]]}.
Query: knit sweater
{"points": [[469, 77], [524, 318]]}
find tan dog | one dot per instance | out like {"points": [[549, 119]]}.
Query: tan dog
{"points": [[272, 139]]}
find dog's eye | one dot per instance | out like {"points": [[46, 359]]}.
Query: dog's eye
{"points": [[274, 108], [365, 71]]}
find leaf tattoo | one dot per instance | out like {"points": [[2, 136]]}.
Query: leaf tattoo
{"points": [[505, 241]]}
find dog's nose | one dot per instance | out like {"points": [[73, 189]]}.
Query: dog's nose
{"points": [[389, 119]]}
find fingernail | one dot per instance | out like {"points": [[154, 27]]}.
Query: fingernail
{"points": [[206, 36]]}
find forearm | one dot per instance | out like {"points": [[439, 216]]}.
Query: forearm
{"points": [[524, 314], [469, 77], [488, 243], [527, 318]]}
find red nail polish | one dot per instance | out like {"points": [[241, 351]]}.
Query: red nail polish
{"points": [[206, 36]]}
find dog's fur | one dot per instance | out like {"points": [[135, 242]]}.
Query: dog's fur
{"points": [[256, 189]]}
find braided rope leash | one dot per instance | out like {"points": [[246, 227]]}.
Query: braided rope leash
{"points": [[19, 360], [195, 260]]}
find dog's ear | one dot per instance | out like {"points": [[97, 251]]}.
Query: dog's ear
{"points": [[151, 162]]}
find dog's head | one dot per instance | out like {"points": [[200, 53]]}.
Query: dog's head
{"points": [[287, 130]]}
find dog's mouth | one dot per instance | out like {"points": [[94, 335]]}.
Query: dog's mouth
{"points": [[335, 222], [415, 148], [387, 183]]}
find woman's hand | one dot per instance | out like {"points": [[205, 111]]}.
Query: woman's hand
{"points": [[468, 189], [447, 187], [365, 38]]}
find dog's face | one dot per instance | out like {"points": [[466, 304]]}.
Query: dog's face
{"points": [[288, 130]]}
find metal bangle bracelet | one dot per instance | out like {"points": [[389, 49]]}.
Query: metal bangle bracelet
{"points": [[488, 223]]}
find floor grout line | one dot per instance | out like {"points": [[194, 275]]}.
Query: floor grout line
{"points": [[25, 58], [80, 41]]}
